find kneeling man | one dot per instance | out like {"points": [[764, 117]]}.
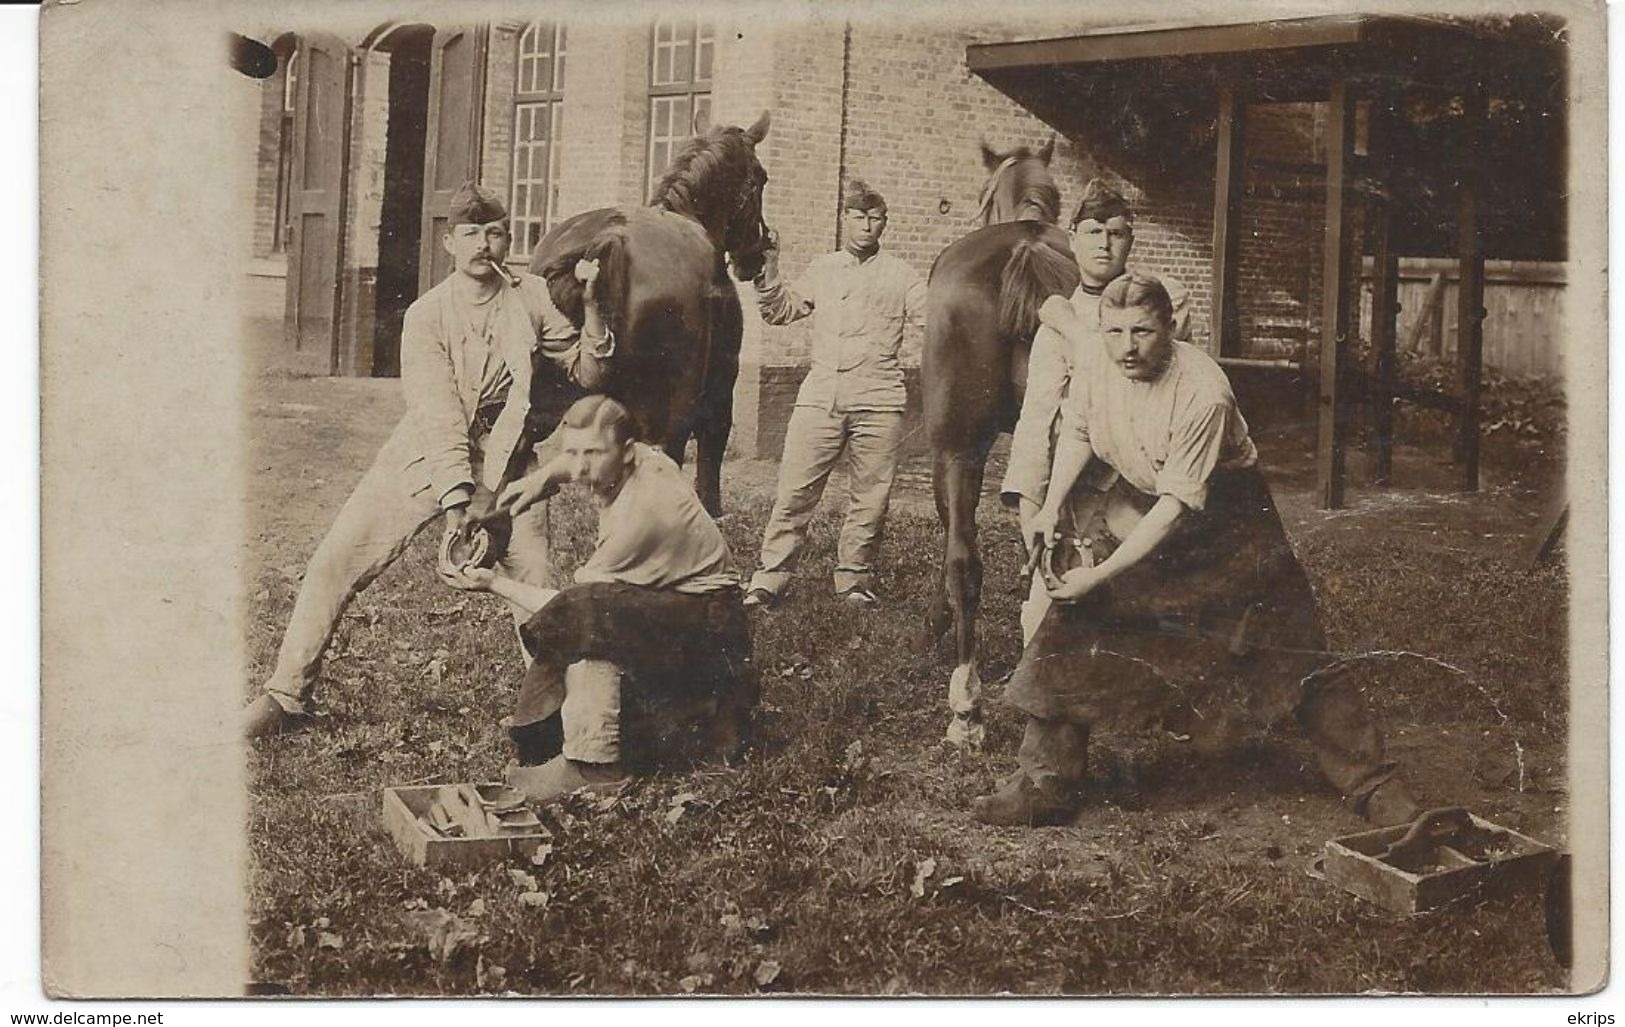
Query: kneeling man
{"points": [[648, 653]]}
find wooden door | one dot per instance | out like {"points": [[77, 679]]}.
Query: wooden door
{"points": [[316, 196], [450, 152]]}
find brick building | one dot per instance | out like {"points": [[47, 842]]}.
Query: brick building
{"points": [[583, 114]]}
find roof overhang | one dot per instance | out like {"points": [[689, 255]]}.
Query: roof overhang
{"points": [[1293, 60]]}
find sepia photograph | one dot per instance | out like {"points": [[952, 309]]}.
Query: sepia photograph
{"points": [[1047, 500]]}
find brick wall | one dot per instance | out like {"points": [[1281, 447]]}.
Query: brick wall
{"points": [[496, 156], [912, 116], [595, 116]]}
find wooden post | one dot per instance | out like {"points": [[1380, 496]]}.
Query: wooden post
{"points": [[1225, 336], [1470, 295], [1385, 286], [1330, 402]]}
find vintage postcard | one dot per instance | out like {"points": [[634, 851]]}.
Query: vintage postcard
{"points": [[612, 499]]}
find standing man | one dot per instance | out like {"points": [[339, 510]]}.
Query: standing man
{"points": [[466, 351], [851, 400], [1102, 238], [650, 645]]}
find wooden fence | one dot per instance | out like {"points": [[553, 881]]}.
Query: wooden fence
{"points": [[1524, 325]]}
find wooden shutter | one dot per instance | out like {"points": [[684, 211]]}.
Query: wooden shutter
{"points": [[320, 173]]}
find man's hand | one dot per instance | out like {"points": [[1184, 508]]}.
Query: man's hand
{"points": [[1077, 583], [1040, 533], [587, 274], [533, 488], [471, 579], [770, 259]]}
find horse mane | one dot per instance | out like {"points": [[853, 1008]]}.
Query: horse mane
{"points": [[1035, 197], [1036, 188], [703, 169]]}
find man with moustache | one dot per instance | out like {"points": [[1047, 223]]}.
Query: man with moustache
{"points": [[851, 401], [467, 347], [1102, 238]]}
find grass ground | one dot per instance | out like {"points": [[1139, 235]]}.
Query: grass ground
{"points": [[838, 857]]}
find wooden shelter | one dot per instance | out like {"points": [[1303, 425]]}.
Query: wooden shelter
{"points": [[1180, 96]]}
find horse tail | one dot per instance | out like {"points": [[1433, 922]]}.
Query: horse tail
{"points": [[609, 249], [1034, 272]]}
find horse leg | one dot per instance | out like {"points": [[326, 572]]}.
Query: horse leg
{"points": [[716, 419], [961, 475], [940, 615]]}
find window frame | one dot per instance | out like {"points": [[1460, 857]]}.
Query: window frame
{"points": [[546, 102], [686, 84]]}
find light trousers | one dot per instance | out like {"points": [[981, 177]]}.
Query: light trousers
{"points": [[814, 441], [393, 502]]}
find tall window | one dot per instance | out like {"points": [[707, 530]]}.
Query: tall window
{"points": [[680, 57], [538, 108]]}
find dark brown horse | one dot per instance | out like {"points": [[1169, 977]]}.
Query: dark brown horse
{"points": [[663, 290], [981, 312]]}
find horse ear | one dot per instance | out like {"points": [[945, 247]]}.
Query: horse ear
{"points": [[990, 157], [1048, 149], [757, 132]]}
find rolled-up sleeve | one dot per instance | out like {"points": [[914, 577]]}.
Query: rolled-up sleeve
{"points": [[1032, 448], [781, 303], [433, 404], [1193, 453]]}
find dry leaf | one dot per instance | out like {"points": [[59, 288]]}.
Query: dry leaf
{"points": [[693, 982], [854, 760], [534, 899], [476, 908], [445, 934], [489, 976], [922, 870], [329, 940], [543, 851], [522, 880], [679, 806], [767, 971]]}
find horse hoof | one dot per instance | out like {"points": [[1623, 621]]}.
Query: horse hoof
{"points": [[965, 734]]}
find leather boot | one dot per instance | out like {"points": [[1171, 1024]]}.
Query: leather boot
{"points": [[1022, 802], [265, 717], [559, 777], [1044, 790]]}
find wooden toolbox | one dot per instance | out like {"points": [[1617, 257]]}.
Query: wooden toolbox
{"points": [[1445, 855], [513, 829]]}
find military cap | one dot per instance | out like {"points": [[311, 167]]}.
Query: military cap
{"points": [[860, 197], [1101, 203], [473, 204]]}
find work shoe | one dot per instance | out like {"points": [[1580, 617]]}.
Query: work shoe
{"points": [[857, 595], [265, 717], [559, 777], [1020, 802], [760, 597]]}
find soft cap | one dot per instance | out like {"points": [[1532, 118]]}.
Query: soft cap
{"points": [[473, 204], [1101, 203]]}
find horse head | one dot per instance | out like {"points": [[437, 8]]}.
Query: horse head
{"points": [[1019, 186], [717, 180]]}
